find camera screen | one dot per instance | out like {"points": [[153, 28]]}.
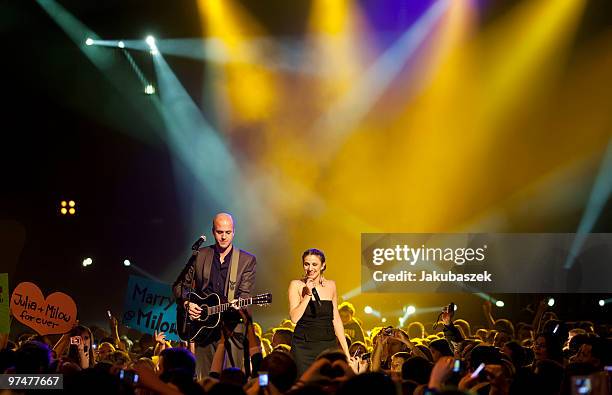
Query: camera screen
{"points": [[583, 385]]}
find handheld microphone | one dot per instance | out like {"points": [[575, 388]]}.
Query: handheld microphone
{"points": [[316, 295], [198, 243]]}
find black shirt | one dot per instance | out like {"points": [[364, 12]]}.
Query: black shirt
{"points": [[218, 274]]}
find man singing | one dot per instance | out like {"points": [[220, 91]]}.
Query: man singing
{"points": [[210, 273]]}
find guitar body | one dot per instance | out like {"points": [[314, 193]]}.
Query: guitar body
{"points": [[200, 329]]}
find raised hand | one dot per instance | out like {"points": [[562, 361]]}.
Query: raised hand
{"points": [[307, 290], [440, 372], [160, 337]]}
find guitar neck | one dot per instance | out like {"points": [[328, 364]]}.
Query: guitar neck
{"points": [[224, 306]]}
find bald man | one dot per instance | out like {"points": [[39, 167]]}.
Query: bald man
{"points": [[212, 275]]}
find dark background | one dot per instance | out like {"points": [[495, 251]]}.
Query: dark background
{"points": [[62, 140]]}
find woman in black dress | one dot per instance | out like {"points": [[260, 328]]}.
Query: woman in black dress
{"points": [[319, 326]]}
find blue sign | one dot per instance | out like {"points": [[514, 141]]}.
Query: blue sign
{"points": [[150, 306]]}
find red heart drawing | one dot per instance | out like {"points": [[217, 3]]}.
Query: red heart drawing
{"points": [[55, 314]]}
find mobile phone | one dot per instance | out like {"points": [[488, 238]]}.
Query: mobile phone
{"points": [[94, 346], [478, 370], [263, 379], [108, 313], [457, 366], [128, 376], [582, 385], [75, 340]]}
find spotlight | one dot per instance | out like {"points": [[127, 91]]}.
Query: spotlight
{"points": [[64, 210], [368, 310], [71, 211], [126, 262], [150, 40], [410, 310], [87, 262], [154, 51], [71, 203], [551, 302], [499, 303], [63, 203], [121, 44], [384, 319], [149, 89], [601, 302], [89, 41]]}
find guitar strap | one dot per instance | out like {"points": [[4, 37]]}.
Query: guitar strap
{"points": [[231, 293], [233, 274]]}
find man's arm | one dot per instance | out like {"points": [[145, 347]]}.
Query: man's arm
{"points": [[247, 280], [181, 286]]}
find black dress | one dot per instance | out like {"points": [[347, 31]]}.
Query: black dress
{"points": [[313, 334]]}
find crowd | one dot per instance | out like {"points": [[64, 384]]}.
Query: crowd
{"points": [[451, 356]]}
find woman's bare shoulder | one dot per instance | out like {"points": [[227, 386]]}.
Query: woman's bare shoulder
{"points": [[295, 283]]}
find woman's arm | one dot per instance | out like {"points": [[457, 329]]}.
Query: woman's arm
{"points": [[61, 346], [297, 302], [338, 327]]}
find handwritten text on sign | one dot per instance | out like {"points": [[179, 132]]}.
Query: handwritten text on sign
{"points": [[150, 306], [55, 314]]}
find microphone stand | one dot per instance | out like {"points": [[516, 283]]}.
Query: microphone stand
{"points": [[195, 250]]}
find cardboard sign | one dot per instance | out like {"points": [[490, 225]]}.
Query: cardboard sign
{"points": [[4, 304], [150, 306], [55, 314]]}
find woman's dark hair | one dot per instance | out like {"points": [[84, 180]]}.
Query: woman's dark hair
{"points": [[519, 354], [177, 361], [554, 346], [73, 351], [442, 346], [315, 252], [417, 369]]}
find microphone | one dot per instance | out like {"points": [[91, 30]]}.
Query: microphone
{"points": [[316, 295], [198, 243]]}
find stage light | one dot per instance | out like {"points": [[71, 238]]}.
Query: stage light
{"points": [[149, 89], [368, 310], [127, 262], [551, 302], [150, 40], [410, 310], [63, 203], [71, 211], [121, 44], [64, 210], [71, 203], [500, 303], [601, 302], [384, 319], [89, 41], [87, 262]]}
